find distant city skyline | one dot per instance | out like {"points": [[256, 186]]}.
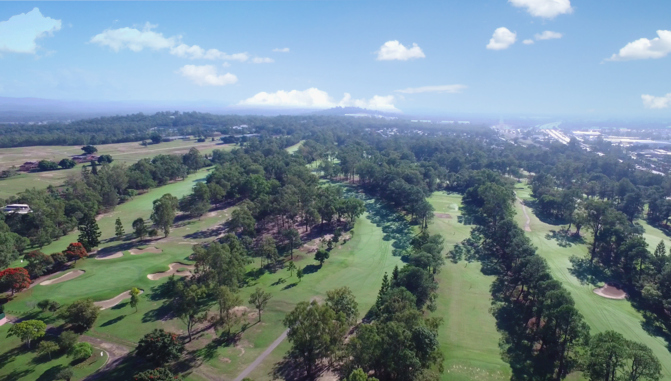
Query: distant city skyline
{"points": [[536, 57]]}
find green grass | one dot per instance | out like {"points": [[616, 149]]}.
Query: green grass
{"points": [[19, 363], [600, 313], [295, 147], [468, 336], [127, 153]]}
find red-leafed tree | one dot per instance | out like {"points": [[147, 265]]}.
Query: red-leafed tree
{"points": [[76, 251], [16, 279]]}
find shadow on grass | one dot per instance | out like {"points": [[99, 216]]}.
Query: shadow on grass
{"points": [[159, 313], [111, 250], [586, 272], [564, 238], [311, 269], [289, 286], [113, 321], [50, 374], [291, 369], [17, 375]]}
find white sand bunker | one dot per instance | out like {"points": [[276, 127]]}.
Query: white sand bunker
{"points": [[109, 303], [151, 249], [118, 254], [611, 292], [174, 267], [63, 278]]}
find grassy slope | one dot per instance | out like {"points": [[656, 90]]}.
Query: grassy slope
{"points": [[127, 153], [295, 147], [600, 313], [468, 336]]}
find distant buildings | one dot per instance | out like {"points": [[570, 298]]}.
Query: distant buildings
{"points": [[28, 166], [17, 208]]}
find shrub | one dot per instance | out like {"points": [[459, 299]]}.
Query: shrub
{"points": [[80, 351]]}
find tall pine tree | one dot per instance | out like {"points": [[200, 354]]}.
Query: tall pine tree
{"points": [[118, 229], [89, 233]]}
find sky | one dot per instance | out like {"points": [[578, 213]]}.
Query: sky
{"points": [[522, 57]]}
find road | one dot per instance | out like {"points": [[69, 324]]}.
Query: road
{"points": [[263, 356]]}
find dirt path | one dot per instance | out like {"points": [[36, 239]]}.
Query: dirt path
{"points": [[115, 354], [262, 357], [527, 228]]}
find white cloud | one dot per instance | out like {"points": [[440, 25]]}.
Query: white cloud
{"points": [[134, 39], [281, 50], [453, 89], [643, 48], [207, 75], [548, 35], [544, 8], [195, 52], [318, 99], [528, 42], [653, 102], [502, 39], [394, 50], [19, 33], [258, 60]]}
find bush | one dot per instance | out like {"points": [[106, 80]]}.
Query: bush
{"points": [[64, 374], [80, 351], [159, 347], [158, 374], [67, 340]]}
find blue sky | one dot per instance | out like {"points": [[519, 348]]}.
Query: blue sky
{"points": [[587, 57]]}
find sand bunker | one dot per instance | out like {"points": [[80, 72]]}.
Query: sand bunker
{"points": [[118, 254], [150, 249], [109, 303], [63, 278], [611, 292], [442, 215], [173, 270]]}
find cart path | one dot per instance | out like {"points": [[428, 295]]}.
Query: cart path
{"points": [[262, 357], [527, 228], [115, 354]]}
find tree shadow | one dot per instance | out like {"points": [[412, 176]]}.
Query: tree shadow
{"points": [[564, 238], [17, 375], [292, 369], [50, 374], [289, 286], [160, 313], [113, 321], [311, 269], [120, 305], [586, 272]]}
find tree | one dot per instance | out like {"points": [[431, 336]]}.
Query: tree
{"points": [[155, 137], [341, 300], [299, 274], [321, 255], [28, 330], [643, 365], [140, 228], [48, 305], [47, 165], [242, 218], [16, 279], [359, 375], [64, 374], [268, 250], [81, 314], [80, 351], [76, 251], [89, 149], [187, 305], [67, 340], [157, 374], [47, 348], [38, 263], [67, 163], [291, 267], [118, 229], [134, 297], [89, 233], [164, 212], [226, 300], [94, 168], [105, 159], [11, 245], [259, 299], [315, 332], [293, 238], [159, 347]]}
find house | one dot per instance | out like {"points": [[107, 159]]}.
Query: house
{"points": [[17, 208], [84, 158], [28, 166]]}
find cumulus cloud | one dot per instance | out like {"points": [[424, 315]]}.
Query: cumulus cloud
{"points": [[281, 50], [134, 39], [643, 48], [502, 39], [207, 75], [433, 89], [259, 60], [394, 50], [544, 8], [528, 42], [318, 99], [653, 102], [548, 35], [19, 33]]}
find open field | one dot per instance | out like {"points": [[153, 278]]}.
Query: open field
{"points": [[600, 313], [295, 147], [127, 153], [468, 336]]}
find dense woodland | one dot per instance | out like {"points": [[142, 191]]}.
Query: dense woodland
{"points": [[281, 200]]}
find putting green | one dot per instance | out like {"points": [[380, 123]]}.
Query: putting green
{"points": [[468, 336], [600, 313]]}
